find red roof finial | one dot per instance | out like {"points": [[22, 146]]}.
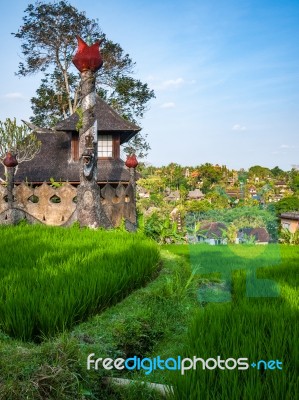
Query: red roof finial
{"points": [[88, 57], [131, 161], [10, 160]]}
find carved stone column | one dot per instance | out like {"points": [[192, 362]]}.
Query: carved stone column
{"points": [[132, 163], [10, 163], [89, 210]]}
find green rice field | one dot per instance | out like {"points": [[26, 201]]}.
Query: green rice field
{"points": [[253, 314], [53, 278]]}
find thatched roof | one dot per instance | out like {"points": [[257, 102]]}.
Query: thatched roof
{"points": [[108, 121], [261, 234], [195, 194], [290, 215], [212, 230], [54, 161]]}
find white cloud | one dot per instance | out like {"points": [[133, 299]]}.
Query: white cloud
{"points": [[168, 84], [14, 96], [238, 128], [168, 105], [173, 83], [285, 146], [156, 84]]}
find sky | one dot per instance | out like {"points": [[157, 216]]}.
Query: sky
{"points": [[225, 75]]}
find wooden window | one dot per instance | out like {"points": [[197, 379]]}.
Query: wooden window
{"points": [[105, 146], [116, 146], [75, 146]]}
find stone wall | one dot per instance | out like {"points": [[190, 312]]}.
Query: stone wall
{"points": [[57, 205]]}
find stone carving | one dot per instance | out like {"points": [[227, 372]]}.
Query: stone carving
{"points": [[56, 206]]}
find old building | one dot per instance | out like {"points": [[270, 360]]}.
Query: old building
{"points": [[260, 235], [46, 186], [290, 221], [195, 195], [212, 233]]}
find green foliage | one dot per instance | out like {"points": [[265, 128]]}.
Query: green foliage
{"points": [[56, 277], [231, 233], [18, 140], [249, 239], [278, 173], [288, 237], [55, 184], [134, 335], [79, 124], [294, 184], [198, 206], [287, 204], [138, 146], [240, 217], [210, 172], [260, 172], [161, 229], [218, 200], [134, 391], [49, 371]]}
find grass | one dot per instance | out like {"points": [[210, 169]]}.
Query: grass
{"points": [[242, 325], [151, 320], [53, 278], [167, 317]]}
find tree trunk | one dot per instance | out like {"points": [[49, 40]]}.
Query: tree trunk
{"points": [[10, 186]]}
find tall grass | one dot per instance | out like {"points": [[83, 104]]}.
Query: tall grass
{"points": [[257, 328], [52, 278]]}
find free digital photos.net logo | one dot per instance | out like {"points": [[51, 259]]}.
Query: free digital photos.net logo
{"points": [[148, 365]]}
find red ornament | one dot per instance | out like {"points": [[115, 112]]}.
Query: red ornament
{"points": [[10, 160], [131, 161], [88, 57]]}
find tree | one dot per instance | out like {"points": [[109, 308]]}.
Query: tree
{"points": [[287, 204], [210, 175], [217, 200], [20, 141], [48, 37], [259, 172], [278, 173], [294, 184]]}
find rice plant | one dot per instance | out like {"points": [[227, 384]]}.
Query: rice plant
{"points": [[52, 278], [256, 328]]}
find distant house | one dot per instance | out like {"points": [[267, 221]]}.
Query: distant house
{"points": [[235, 193], [290, 221], [212, 233], [142, 192], [281, 184], [252, 190], [276, 198], [261, 235], [256, 197], [195, 195], [173, 196]]}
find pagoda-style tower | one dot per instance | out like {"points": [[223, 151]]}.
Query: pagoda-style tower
{"points": [[98, 187]]}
